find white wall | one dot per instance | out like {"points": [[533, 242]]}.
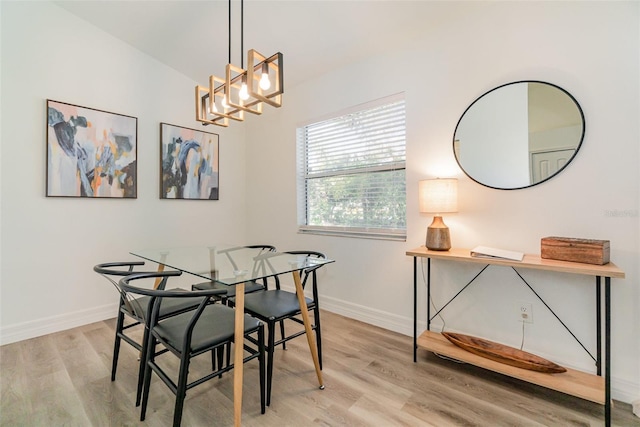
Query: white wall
{"points": [[595, 197], [49, 245]]}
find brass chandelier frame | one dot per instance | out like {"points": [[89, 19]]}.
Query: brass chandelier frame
{"points": [[223, 99]]}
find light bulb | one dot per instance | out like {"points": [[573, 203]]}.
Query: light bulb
{"points": [[265, 83], [215, 108], [244, 92], [224, 102]]}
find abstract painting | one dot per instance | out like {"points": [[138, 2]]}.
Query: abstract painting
{"points": [[188, 163], [90, 153]]}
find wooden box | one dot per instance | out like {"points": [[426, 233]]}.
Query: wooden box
{"points": [[588, 251]]}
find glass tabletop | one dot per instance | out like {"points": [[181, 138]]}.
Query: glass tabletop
{"points": [[229, 264]]}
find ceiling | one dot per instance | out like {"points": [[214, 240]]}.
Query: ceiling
{"points": [[315, 36]]}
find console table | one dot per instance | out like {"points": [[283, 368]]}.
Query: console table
{"points": [[593, 387]]}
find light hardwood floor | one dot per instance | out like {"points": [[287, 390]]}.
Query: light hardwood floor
{"points": [[63, 379]]}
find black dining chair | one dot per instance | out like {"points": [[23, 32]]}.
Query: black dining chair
{"points": [[191, 334], [276, 305], [249, 287], [136, 311]]}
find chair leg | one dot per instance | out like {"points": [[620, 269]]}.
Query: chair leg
{"points": [[181, 390], [143, 367], [282, 335], [116, 344], [262, 370], [220, 352], [151, 356], [316, 315], [270, 346]]}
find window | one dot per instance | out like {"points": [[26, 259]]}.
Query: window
{"points": [[351, 172]]}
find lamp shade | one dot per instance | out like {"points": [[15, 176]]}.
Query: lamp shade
{"points": [[438, 195]]}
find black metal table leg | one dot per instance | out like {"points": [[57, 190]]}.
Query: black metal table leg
{"points": [[607, 351], [415, 309], [599, 326], [428, 294]]}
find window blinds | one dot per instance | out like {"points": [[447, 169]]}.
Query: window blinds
{"points": [[351, 173]]}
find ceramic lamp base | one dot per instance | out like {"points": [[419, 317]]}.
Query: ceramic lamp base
{"points": [[438, 237]]}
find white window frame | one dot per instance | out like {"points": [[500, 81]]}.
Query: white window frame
{"points": [[385, 233]]}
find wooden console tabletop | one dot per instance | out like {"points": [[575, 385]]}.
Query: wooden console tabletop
{"points": [[529, 261]]}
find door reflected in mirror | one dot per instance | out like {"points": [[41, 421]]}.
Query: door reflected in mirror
{"points": [[518, 135]]}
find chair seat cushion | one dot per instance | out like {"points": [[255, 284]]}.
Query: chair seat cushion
{"points": [[168, 306], [273, 303], [251, 286], [215, 326]]}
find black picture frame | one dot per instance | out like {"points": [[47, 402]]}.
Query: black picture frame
{"points": [[189, 163], [90, 153]]}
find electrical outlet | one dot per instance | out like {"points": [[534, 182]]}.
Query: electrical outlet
{"points": [[525, 312]]}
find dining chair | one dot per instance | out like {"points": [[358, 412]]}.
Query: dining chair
{"points": [[191, 334], [137, 311], [276, 305], [249, 287]]}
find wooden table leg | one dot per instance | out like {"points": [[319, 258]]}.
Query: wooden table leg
{"points": [[238, 355], [307, 326], [163, 257], [158, 279]]}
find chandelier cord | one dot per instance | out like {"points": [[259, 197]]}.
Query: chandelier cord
{"points": [[242, 34]]}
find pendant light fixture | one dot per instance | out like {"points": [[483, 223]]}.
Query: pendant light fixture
{"points": [[241, 90]]}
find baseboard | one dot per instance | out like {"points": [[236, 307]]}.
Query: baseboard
{"points": [[382, 319], [49, 325], [627, 392]]}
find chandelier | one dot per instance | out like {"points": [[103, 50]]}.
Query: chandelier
{"points": [[241, 90]]}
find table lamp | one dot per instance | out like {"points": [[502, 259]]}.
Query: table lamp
{"points": [[438, 196]]}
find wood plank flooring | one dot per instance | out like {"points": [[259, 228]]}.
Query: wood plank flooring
{"points": [[63, 379]]}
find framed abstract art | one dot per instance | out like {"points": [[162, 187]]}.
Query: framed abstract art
{"points": [[90, 153], [188, 163]]}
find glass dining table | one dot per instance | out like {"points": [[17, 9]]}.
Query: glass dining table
{"points": [[235, 265]]}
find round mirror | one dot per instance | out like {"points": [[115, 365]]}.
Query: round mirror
{"points": [[518, 135]]}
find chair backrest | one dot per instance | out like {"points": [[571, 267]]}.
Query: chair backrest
{"points": [[156, 296], [122, 269], [229, 253], [259, 265], [265, 248], [309, 270]]}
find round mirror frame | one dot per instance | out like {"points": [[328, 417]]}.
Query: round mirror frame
{"points": [[577, 148]]}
